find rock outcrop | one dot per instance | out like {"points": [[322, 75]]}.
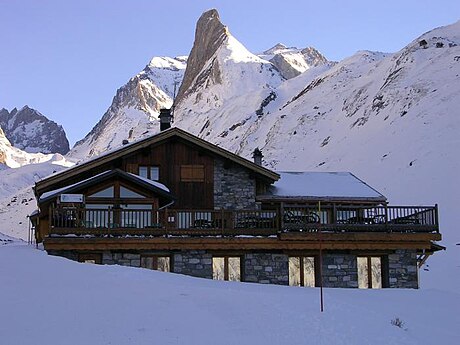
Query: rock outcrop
{"points": [[30, 131], [293, 61], [210, 34]]}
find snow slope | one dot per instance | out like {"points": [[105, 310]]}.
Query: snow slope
{"points": [[64, 302], [17, 199]]}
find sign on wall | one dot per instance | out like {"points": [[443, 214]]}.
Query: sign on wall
{"points": [[76, 198]]}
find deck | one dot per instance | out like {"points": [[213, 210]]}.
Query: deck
{"points": [[86, 222]]}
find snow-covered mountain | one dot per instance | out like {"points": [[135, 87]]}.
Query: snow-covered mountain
{"points": [[219, 71], [12, 157], [30, 131], [135, 108]]}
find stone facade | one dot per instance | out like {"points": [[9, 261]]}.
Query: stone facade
{"points": [[402, 269], [399, 269], [122, 259], [196, 263], [234, 189], [266, 268], [340, 271]]}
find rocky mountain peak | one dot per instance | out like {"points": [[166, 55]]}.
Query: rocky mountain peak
{"points": [[210, 34], [274, 49], [29, 130]]}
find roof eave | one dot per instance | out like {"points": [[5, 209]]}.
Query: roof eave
{"points": [[107, 175], [281, 198]]}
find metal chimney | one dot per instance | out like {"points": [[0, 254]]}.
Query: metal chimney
{"points": [[165, 119], [257, 155]]}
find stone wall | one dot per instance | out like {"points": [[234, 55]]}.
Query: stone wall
{"points": [[266, 268], [233, 188], [122, 259], [402, 269], [196, 263], [340, 271]]}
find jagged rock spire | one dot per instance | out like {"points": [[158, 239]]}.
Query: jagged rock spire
{"points": [[210, 34]]}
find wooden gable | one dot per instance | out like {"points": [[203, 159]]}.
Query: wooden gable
{"points": [[150, 151]]}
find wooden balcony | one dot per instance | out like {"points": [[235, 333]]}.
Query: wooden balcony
{"points": [[155, 223]]}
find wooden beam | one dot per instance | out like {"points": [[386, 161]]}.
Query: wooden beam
{"points": [[224, 244]]}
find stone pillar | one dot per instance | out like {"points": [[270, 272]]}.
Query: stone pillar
{"points": [[402, 269], [196, 263], [266, 268], [340, 271]]}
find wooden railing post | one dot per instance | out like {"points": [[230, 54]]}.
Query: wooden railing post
{"points": [[436, 217], [281, 217], [386, 216]]}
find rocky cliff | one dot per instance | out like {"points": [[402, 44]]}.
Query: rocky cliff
{"points": [[32, 132]]}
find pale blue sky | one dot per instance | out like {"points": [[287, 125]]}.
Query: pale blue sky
{"points": [[67, 58]]}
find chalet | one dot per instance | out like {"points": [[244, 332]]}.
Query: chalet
{"points": [[175, 202]]}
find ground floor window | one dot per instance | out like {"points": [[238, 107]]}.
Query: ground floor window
{"points": [[90, 258], [302, 271], [226, 268], [369, 272], [157, 263]]}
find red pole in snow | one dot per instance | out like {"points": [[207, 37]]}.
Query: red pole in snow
{"points": [[320, 258]]}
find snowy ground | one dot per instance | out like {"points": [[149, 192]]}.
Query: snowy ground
{"points": [[51, 300]]}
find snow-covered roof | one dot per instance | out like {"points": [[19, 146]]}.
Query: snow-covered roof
{"points": [[56, 192], [322, 185], [153, 183], [135, 178]]}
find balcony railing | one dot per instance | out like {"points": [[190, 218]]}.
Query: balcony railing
{"points": [[337, 218]]}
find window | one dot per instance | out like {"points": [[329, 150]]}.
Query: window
{"points": [[105, 193], [99, 216], [128, 193], [89, 258], [137, 216], [149, 172], [192, 173], [302, 271], [157, 263], [226, 268], [369, 272]]}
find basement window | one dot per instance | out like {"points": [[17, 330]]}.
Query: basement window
{"points": [[226, 268], [192, 173], [302, 271], [157, 263], [369, 272], [89, 258]]}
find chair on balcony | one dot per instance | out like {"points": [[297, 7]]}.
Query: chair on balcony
{"points": [[202, 224]]}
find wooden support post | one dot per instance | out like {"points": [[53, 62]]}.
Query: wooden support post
{"points": [[320, 260], [281, 217]]}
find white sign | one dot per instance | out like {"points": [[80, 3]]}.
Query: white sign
{"points": [[77, 198]]}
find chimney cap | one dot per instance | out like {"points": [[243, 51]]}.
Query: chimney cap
{"points": [[165, 118], [257, 153]]}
